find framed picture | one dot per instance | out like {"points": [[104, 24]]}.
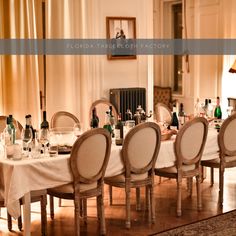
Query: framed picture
{"points": [[121, 32]]}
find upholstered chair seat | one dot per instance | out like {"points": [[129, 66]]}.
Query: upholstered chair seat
{"points": [[69, 188]]}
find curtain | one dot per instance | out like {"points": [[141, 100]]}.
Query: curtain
{"points": [[64, 84], [20, 73]]}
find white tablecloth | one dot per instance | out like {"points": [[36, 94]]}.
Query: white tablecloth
{"points": [[23, 176]]}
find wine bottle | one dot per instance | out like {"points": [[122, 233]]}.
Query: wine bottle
{"points": [[181, 115], [218, 112], [44, 124], [28, 129], [29, 123], [209, 109], [112, 121], [107, 124], [175, 122], [119, 131], [95, 120], [7, 133], [206, 107], [13, 130]]}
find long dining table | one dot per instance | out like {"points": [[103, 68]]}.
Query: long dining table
{"points": [[18, 178]]}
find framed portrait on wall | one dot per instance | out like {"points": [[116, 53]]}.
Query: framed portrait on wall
{"points": [[121, 33]]}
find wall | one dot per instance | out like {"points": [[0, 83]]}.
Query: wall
{"points": [[103, 74]]}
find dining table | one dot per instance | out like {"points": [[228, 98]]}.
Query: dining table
{"points": [[19, 177]]}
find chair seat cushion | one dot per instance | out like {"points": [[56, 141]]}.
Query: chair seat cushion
{"points": [[217, 160], [68, 188], [173, 169], [121, 178]]}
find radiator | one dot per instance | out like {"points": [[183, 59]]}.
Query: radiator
{"points": [[128, 98]]}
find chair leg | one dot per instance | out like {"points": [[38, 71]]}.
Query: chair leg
{"points": [[152, 201], [9, 222], [59, 202], [212, 176], [110, 194], [84, 208], [100, 207], [127, 192], [221, 186], [43, 202], [138, 203], [203, 171], [179, 189], [77, 214], [147, 198], [148, 194], [199, 194], [190, 186], [51, 207], [19, 222]]}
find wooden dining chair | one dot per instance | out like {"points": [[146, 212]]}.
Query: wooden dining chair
{"points": [[9, 220], [188, 147], [38, 195], [139, 153], [163, 113], [88, 167], [102, 105], [227, 153], [63, 119]]}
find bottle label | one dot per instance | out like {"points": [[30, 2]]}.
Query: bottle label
{"points": [[117, 133], [181, 120]]}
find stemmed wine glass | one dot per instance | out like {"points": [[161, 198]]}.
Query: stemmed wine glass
{"points": [[44, 139], [77, 129], [26, 137]]}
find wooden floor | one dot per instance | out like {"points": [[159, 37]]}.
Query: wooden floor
{"points": [[165, 196]]}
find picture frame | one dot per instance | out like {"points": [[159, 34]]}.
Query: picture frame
{"points": [[121, 33]]}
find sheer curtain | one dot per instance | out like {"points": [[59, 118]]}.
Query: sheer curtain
{"points": [[63, 71], [20, 73]]}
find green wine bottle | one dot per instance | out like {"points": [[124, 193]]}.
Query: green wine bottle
{"points": [[218, 112]]}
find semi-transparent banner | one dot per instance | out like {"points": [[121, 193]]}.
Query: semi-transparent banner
{"points": [[117, 47]]}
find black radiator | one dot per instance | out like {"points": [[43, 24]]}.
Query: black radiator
{"points": [[128, 98]]}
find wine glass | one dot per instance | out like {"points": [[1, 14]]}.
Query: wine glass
{"points": [[77, 129], [44, 139], [26, 137]]}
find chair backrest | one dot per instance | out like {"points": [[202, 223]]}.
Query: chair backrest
{"points": [[63, 119], [17, 124], [140, 148], [102, 106], [190, 142], [163, 95], [89, 155], [227, 137], [163, 113]]}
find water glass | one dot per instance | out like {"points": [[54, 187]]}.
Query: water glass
{"points": [[26, 137], [44, 139], [53, 150]]}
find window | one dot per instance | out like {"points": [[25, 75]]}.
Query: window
{"points": [[177, 34]]}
